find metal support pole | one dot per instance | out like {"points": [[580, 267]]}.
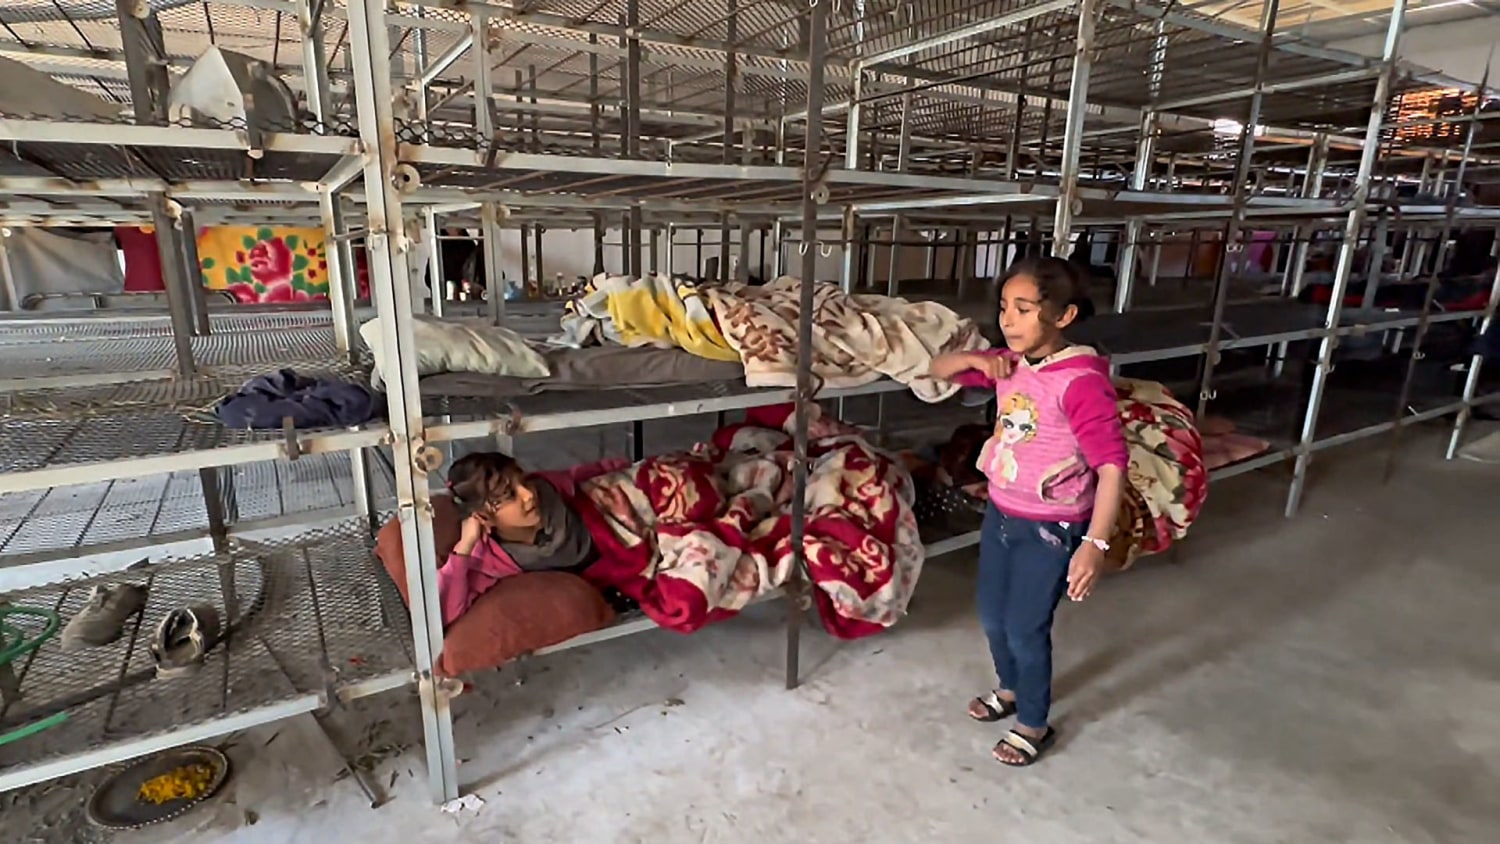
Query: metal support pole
{"points": [[1345, 263], [193, 273], [341, 273], [1078, 96], [539, 276], [1312, 188], [1476, 364], [1376, 257], [439, 284], [145, 60], [817, 55], [633, 122], [179, 300], [494, 264], [1232, 246], [525, 257], [484, 82], [1424, 321], [1140, 176], [315, 63], [671, 249], [369, 41]]}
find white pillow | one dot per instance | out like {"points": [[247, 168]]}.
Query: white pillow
{"points": [[460, 346]]}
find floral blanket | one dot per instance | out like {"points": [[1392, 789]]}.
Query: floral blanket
{"points": [[856, 339], [1168, 476], [259, 264], [696, 536]]}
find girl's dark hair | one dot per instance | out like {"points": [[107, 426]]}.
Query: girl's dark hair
{"points": [[1060, 283], [482, 479]]}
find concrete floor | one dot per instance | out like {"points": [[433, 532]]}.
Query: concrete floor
{"points": [[1327, 679]]}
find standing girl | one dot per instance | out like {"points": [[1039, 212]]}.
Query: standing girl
{"points": [[1056, 467]]}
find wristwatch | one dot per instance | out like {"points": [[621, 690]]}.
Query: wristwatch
{"points": [[1097, 543]]}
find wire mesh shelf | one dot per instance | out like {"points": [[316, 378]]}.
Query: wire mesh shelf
{"points": [[303, 617]]}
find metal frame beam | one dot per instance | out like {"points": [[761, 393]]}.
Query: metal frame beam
{"points": [[369, 39]]}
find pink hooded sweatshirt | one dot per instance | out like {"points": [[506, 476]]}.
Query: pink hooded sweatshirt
{"points": [[1057, 424]]}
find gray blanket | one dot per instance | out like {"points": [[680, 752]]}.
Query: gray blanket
{"points": [[592, 368]]}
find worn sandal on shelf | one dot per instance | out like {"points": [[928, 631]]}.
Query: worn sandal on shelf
{"points": [[103, 617], [996, 708], [183, 638], [1031, 749]]}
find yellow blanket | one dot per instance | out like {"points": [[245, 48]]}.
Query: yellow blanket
{"points": [[652, 311]]}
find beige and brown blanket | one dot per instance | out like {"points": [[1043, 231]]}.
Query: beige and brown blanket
{"points": [[856, 339]]}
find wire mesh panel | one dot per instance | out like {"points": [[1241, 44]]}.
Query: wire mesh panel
{"points": [[299, 617]]}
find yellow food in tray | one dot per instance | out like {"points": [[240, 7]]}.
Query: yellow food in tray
{"points": [[184, 783]]}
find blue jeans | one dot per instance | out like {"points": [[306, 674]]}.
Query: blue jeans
{"points": [[1023, 573]]}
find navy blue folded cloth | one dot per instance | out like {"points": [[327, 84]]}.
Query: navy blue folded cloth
{"points": [[264, 401]]}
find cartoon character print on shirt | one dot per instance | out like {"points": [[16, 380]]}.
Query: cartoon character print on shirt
{"points": [[1015, 425]]}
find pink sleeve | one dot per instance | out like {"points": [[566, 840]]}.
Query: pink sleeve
{"points": [[1094, 417], [975, 378], [464, 577], [453, 586]]}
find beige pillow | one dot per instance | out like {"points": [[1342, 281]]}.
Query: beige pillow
{"points": [[460, 346]]}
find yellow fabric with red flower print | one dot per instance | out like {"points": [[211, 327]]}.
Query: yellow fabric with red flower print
{"points": [[264, 264]]}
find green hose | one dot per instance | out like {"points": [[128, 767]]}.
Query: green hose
{"points": [[13, 644]]}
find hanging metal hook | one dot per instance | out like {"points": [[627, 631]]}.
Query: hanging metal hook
{"points": [[802, 248], [825, 250]]}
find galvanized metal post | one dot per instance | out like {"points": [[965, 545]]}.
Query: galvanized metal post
{"points": [[484, 80], [817, 49], [439, 284], [1078, 96], [179, 299], [145, 60], [633, 121], [193, 272], [1424, 321], [369, 42], [1140, 176], [1345, 263], [1312, 188], [494, 263], [1476, 363], [1232, 245], [341, 273], [315, 62]]}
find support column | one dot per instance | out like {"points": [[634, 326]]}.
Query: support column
{"points": [[370, 46], [1476, 363], [342, 289], [1232, 248], [315, 62], [817, 48], [1424, 321], [439, 290], [1135, 227], [1345, 263], [193, 273], [494, 266], [145, 60], [1078, 96], [633, 123], [179, 299], [1312, 188]]}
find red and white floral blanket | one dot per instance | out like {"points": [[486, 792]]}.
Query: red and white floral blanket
{"points": [[696, 536]]}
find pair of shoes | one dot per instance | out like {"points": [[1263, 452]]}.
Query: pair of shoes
{"points": [[179, 645]]}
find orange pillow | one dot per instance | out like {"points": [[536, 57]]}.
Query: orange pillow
{"points": [[516, 616]]}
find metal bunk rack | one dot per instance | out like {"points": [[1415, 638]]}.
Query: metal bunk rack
{"points": [[725, 142]]}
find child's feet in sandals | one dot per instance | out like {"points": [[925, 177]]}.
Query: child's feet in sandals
{"points": [[1023, 746], [993, 706]]}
